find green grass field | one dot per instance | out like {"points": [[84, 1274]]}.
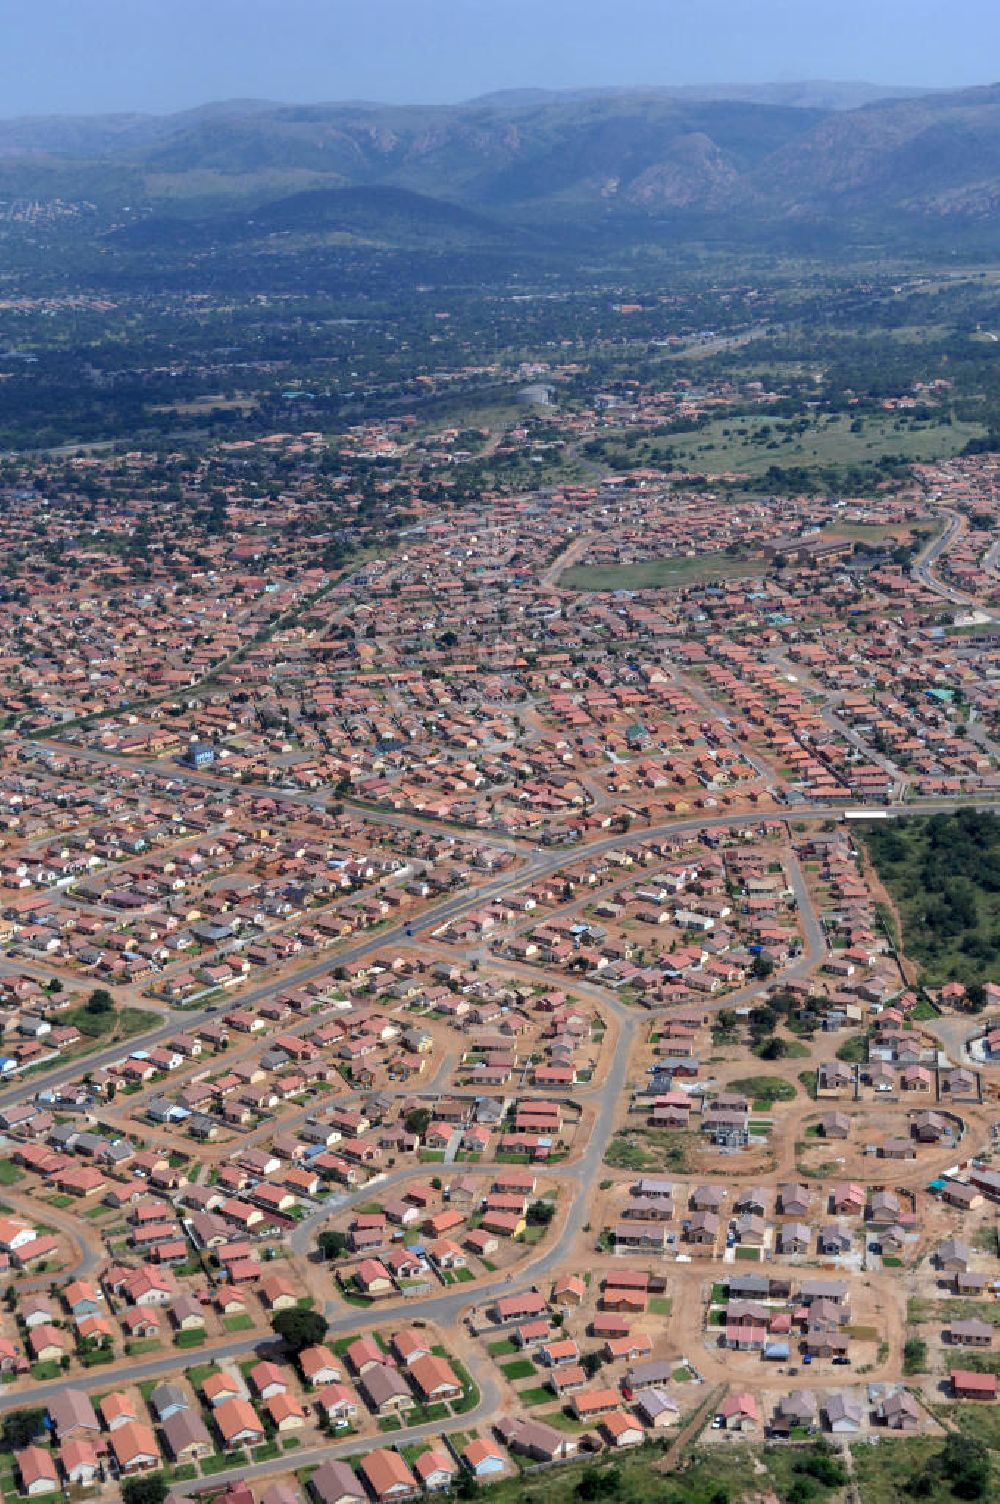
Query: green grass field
{"points": [[765, 1089], [884, 1474], [751, 445], [644, 1148], [853, 1051], [943, 871], [661, 574]]}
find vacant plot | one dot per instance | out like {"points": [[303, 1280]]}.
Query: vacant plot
{"points": [[981, 1422], [943, 872], [662, 574], [854, 1051], [885, 1474], [646, 1148], [749, 446], [766, 1089]]}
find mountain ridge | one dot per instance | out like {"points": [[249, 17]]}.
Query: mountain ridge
{"points": [[582, 158]]}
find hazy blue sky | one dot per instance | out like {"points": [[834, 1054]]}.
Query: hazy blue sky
{"points": [[85, 55]]}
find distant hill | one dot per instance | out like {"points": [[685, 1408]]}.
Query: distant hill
{"points": [[731, 160], [937, 156], [812, 94], [381, 215]]}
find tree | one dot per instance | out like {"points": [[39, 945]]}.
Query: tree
{"points": [[965, 1463], [773, 1049], [802, 1491], [332, 1244], [149, 1490], [418, 1121], [975, 996], [821, 1464], [20, 1428], [763, 1021], [100, 1001], [914, 1355], [540, 1213], [598, 1483], [299, 1329]]}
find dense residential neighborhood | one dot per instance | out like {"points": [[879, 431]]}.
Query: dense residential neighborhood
{"points": [[450, 1021]]}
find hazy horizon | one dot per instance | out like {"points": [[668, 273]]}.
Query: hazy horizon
{"points": [[638, 87], [117, 56]]}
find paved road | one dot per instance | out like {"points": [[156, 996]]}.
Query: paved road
{"points": [[181, 774], [585, 1171], [540, 863], [928, 557], [932, 551], [449, 1308], [81, 1234], [488, 1409], [131, 1372]]}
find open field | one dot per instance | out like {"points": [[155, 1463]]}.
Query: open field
{"points": [[752, 445], [942, 873], [662, 574]]}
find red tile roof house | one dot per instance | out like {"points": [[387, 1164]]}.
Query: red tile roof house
{"points": [[510, 1308], [591, 1403], [364, 1353], [117, 1409], [286, 1411], [218, 1387], [388, 1476], [435, 1469], [238, 1423], [435, 1378], [446, 1254], [38, 1471], [739, 1412], [373, 1278], [319, 1365], [409, 1344], [622, 1430], [338, 1404], [268, 1379], [139, 1322], [134, 1446], [47, 1343], [484, 1459], [973, 1386], [81, 1463], [278, 1293]]}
